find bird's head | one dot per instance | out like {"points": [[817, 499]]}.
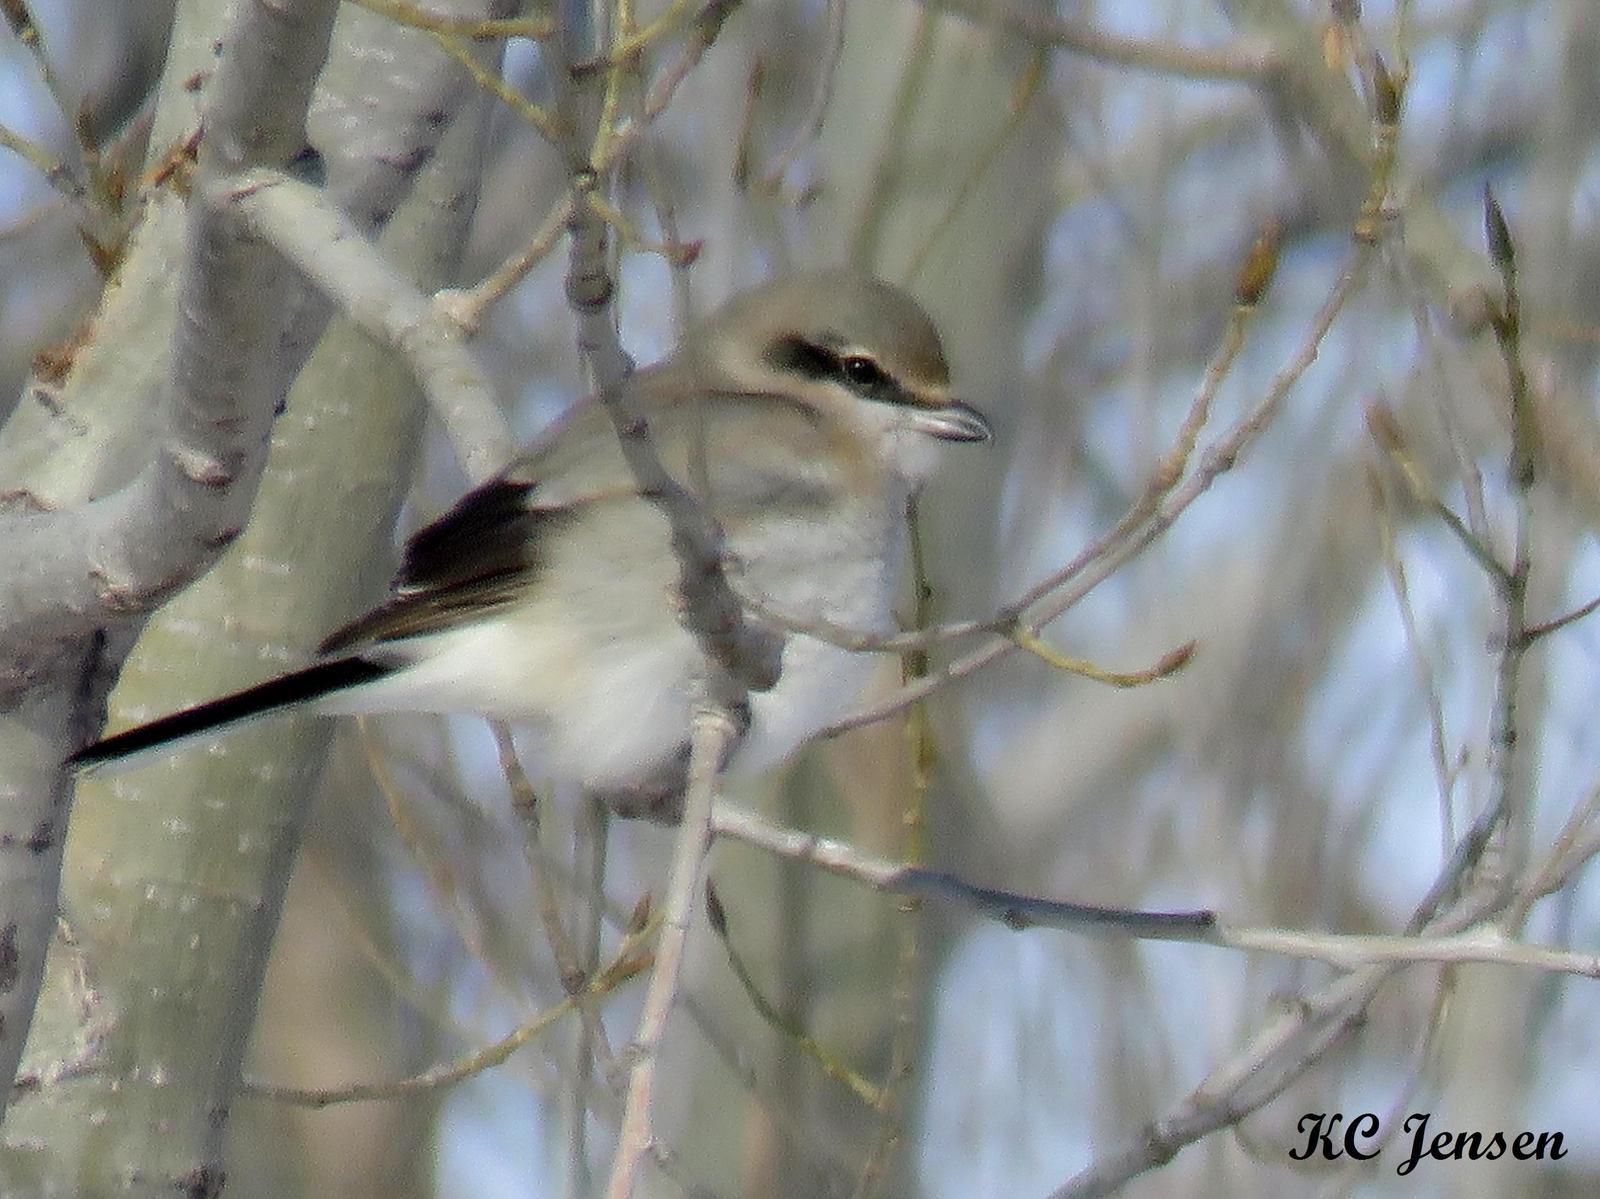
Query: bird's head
{"points": [[854, 349]]}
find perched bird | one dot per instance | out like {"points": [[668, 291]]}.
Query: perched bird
{"points": [[803, 415]]}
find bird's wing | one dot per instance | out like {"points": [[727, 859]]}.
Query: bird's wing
{"points": [[488, 549]]}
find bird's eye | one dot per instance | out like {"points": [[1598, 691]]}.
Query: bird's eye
{"points": [[861, 371]]}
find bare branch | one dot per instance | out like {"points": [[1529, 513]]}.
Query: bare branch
{"points": [[1014, 910], [713, 734], [297, 220]]}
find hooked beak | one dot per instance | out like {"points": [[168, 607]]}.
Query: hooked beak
{"points": [[953, 421]]}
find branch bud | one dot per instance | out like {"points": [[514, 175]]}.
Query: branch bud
{"points": [[1385, 92], [1383, 428], [1498, 234], [1260, 264]]}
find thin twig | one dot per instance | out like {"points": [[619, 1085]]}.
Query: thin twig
{"points": [[664, 86], [1486, 943], [1559, 861], [430, 1080], [712, 735], [627, 963], [910, 976], [810, 125], [1243, 61], [491, 81], [466, 307], [1535, 631], [1169, 663], [1507, 762], [591, 1048], [866, 238], [1385, 431], [1026, 91], [418, 16], [1421, 664], [831, 1067]]}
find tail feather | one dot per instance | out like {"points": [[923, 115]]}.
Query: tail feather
{"points": [[285, 691]]}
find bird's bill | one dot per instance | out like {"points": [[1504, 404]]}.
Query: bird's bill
{"points": [[953, 421]]}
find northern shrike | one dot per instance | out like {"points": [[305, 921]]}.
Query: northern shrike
{"points": [[803, 415]]}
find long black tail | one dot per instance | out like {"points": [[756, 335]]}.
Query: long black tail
{"points": [[282, 692]]}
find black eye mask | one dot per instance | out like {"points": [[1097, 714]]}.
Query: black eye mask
{"points": [[858, 372]]}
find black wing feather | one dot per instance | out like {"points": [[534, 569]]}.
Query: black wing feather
{"points": [[490, 531], [478, 556]]}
